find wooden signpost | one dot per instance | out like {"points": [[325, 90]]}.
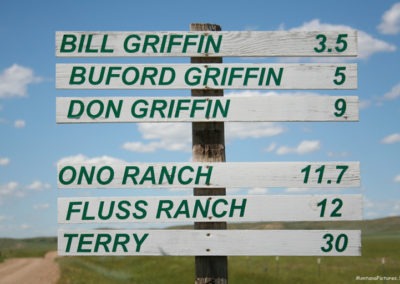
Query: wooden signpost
{"points": [[206, 76], [209, 175], [209, 209], [210, 43], [210, 242], [207, 109]]}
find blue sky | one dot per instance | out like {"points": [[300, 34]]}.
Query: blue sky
{"points": [[31, 143]]}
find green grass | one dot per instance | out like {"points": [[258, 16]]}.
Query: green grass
{"points": [[34, 247]]}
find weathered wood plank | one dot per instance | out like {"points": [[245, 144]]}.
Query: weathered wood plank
{"points": [[206, 109], [206, 76], [209, 209], [207, 43], [208, 175], [210, 242]]}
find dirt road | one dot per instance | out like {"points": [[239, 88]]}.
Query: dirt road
{"points": [[30, 270]]}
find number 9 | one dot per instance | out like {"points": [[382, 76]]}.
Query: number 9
{"points": [[340, 106]]}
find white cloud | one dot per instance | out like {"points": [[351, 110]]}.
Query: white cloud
{"points": [[42, 206], [297, 189], [142, 147], [25, 227], [14, 189], [367, 45], [7, 189], [305, 147], [38, 185], [258, 191], [338, 154], [379, 208], [397, 178], [394, 93], [15, 80], [162, 136], [391, 139], [391, 21], [4, 161], [19, 123], [83, 159], [242, 130], [271, 147]]}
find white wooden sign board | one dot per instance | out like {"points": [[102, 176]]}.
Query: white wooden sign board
{"points": [[190, 109], [210, 242], [206, 76], [188, 175], [223, 43], [209, 208]]}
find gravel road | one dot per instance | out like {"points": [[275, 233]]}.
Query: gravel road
{"points": [[30, 270]]}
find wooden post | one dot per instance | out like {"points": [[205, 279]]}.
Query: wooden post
{"points": [[208, 143]]}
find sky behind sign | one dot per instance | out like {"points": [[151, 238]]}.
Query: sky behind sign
{"points": [[32, 144]]}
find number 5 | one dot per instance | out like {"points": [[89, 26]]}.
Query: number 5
{"points": [[339, 73]]}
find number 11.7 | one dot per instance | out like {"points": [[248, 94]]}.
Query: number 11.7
{"points": [[320, 171]]}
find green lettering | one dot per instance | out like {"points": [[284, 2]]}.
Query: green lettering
{"points": [[110, 210], [116, 110], [128, 174], [151, 41], [220, 108], [165, 174], [211, 73], [211, 43], [160, 106], [100, 76], [71, 209], [99, 110], [195, 107], [77, 75], [195, 79], [214, 208], [277, 78], [198, 206], [124, 210], [61, 175], [164, 206], [68, 43], [241, 207], [129, 45], [83, 242], [85, 212], [206, 174], [149, 73], [69, 241], [183, 209], [180, 174], [140, 241], [142, 111], [120, 240], [99, 242], [142, 210], [76, 105], [148, 176], [164, 80], [103, 45]]}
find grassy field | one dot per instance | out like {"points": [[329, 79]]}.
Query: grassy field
{"points": [[35, 247], [380, 240]]}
